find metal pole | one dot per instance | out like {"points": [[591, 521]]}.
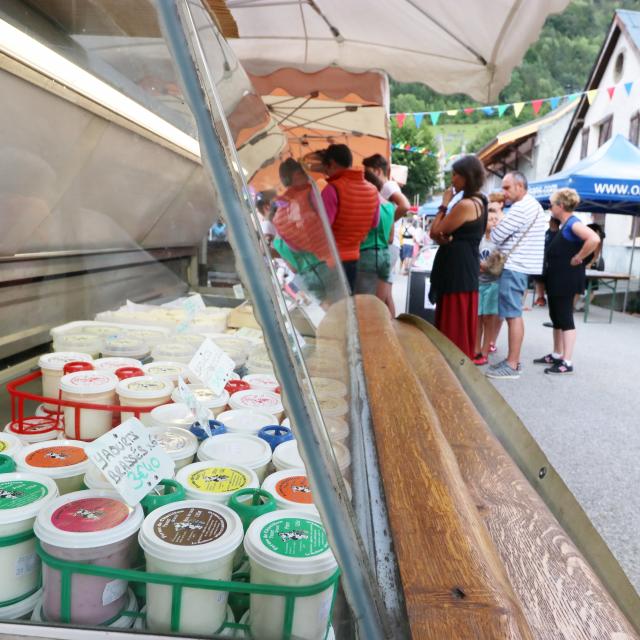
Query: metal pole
{"points": [[358, 583], [634, 233]]}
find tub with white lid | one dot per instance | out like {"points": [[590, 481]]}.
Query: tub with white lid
{"points": [[90, 527], [286, 456], [41, 412], [258, 400], [226, 632], [95, 387], [112, 364], [52, 365], [10, 444], [215, 480], [121, 622], [246, 620], [64, 461], [289, 548], [79, 342], [238, 448], [328, 387], [125, 346], [143, 391], [246, 421], [206, 397], [291, 489], [337, 428], [23, 609], [150, 336], [166, 369], [262, 381], [174, 414], [190, 538], [23, 496], [33, 429], [180, 444], [331, 407], [174, 351], [95, 479]]}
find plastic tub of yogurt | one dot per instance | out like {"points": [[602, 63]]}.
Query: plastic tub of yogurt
{"points": [[258, 400], [23, 609], [125, 346], [291, 489], [191, 538], [215, 480], [95, 387], [238, 448], [337, 428], [165, 369], [90, 527], [328, 387], [262, 381], [51, 366], [9, 445], [64, 461], [246, 620], [287, 456], [34, 429], [206, 397], [180, 444], [246, 421], [112, 364], [80, 343], [22, 496], [226, 632], [174, 351], [174, 414], [143, 391], [332, 407], [121, 622], [289, 548]]}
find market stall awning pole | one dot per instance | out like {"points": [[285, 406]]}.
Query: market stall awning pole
{"points": [[357, 581]]}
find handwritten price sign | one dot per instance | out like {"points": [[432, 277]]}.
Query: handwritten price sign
{"points": [[131, 459], [212, 366]]}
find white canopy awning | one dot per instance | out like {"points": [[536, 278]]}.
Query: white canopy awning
{"points": [[468, 46]]}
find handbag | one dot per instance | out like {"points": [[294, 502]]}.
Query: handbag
{"points": [[494, 264]]}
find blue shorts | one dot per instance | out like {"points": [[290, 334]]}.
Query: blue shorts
{"points": [[512, 284], [406, 251], [488, 303]]}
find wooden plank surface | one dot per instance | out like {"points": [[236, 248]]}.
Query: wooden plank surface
{"points": [[560, 595], [454, 583]]}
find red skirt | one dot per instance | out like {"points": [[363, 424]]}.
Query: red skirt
{"points": [[457, 318]]}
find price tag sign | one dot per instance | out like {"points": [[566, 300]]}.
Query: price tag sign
{"points": [[191, 306], [212, 366], [199, 410], [238, 291], [131, 459]]}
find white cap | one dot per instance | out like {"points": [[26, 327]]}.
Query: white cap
{"points": [[238, 448], [173, 350], [54, 458], [176, 441], [165, 369], [257, 400], [289, 541], [125, 346], [56, 361], [192, 531], [205, 396], [87, 519], [175, 414], [9, 443], [286, 456], [328, 387], [332, 407], [24, 494], [88, 382], [246, 421], [262, 381], [144, 387], [37, 429], [84, 342], [114, 363]]}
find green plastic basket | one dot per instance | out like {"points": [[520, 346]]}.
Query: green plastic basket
{"points": [[178, 583]]}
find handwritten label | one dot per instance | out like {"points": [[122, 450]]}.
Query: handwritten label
{"points": [[212, 366], [238, 291], [191, 306], [131, 459], [190, 399]]}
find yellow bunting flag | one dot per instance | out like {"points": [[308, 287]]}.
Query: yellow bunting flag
{"points": [[517, 108], [591, 95], [452, 112]]}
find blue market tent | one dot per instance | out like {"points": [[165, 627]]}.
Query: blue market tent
{"points": [[608, 181]]}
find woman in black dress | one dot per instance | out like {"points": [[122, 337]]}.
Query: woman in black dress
{"points": [[454, 276]]}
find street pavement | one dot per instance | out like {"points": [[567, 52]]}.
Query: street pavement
{"points": [[587, 423]]}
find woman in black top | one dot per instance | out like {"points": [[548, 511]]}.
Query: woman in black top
{"points": [[454, 276]]}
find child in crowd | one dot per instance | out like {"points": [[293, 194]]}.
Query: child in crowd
{"points": [[488, 319]]}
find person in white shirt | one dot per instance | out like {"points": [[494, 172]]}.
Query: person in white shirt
{"points": [[390, 191], [520, 235]]}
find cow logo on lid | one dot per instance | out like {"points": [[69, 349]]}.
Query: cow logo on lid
{"points": [[88, 515]]}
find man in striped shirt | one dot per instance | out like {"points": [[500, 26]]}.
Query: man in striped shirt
{"points": [[520, 236]]}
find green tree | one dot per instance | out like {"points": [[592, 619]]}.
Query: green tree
{"points": [[423, 168]]}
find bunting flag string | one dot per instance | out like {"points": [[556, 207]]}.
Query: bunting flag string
{"points": [[410, 149], [500, 109]]}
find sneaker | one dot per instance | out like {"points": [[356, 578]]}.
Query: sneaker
{"points": [[492, 348], [480, 360], [548, 359], [503, 371], [560, 366]]}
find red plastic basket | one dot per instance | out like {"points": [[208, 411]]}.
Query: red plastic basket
{"points": [[19, 421]]}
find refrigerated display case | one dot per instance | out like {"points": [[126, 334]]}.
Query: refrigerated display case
{"points": [[129, 132]]}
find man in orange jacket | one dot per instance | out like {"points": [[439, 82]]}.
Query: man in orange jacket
{"points": [[352, 206]]}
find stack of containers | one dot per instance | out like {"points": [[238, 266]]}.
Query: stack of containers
{"points": [[51, 366], [258, 400], [246, 450], [143, 391], [33, 429], [246, 421]]}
